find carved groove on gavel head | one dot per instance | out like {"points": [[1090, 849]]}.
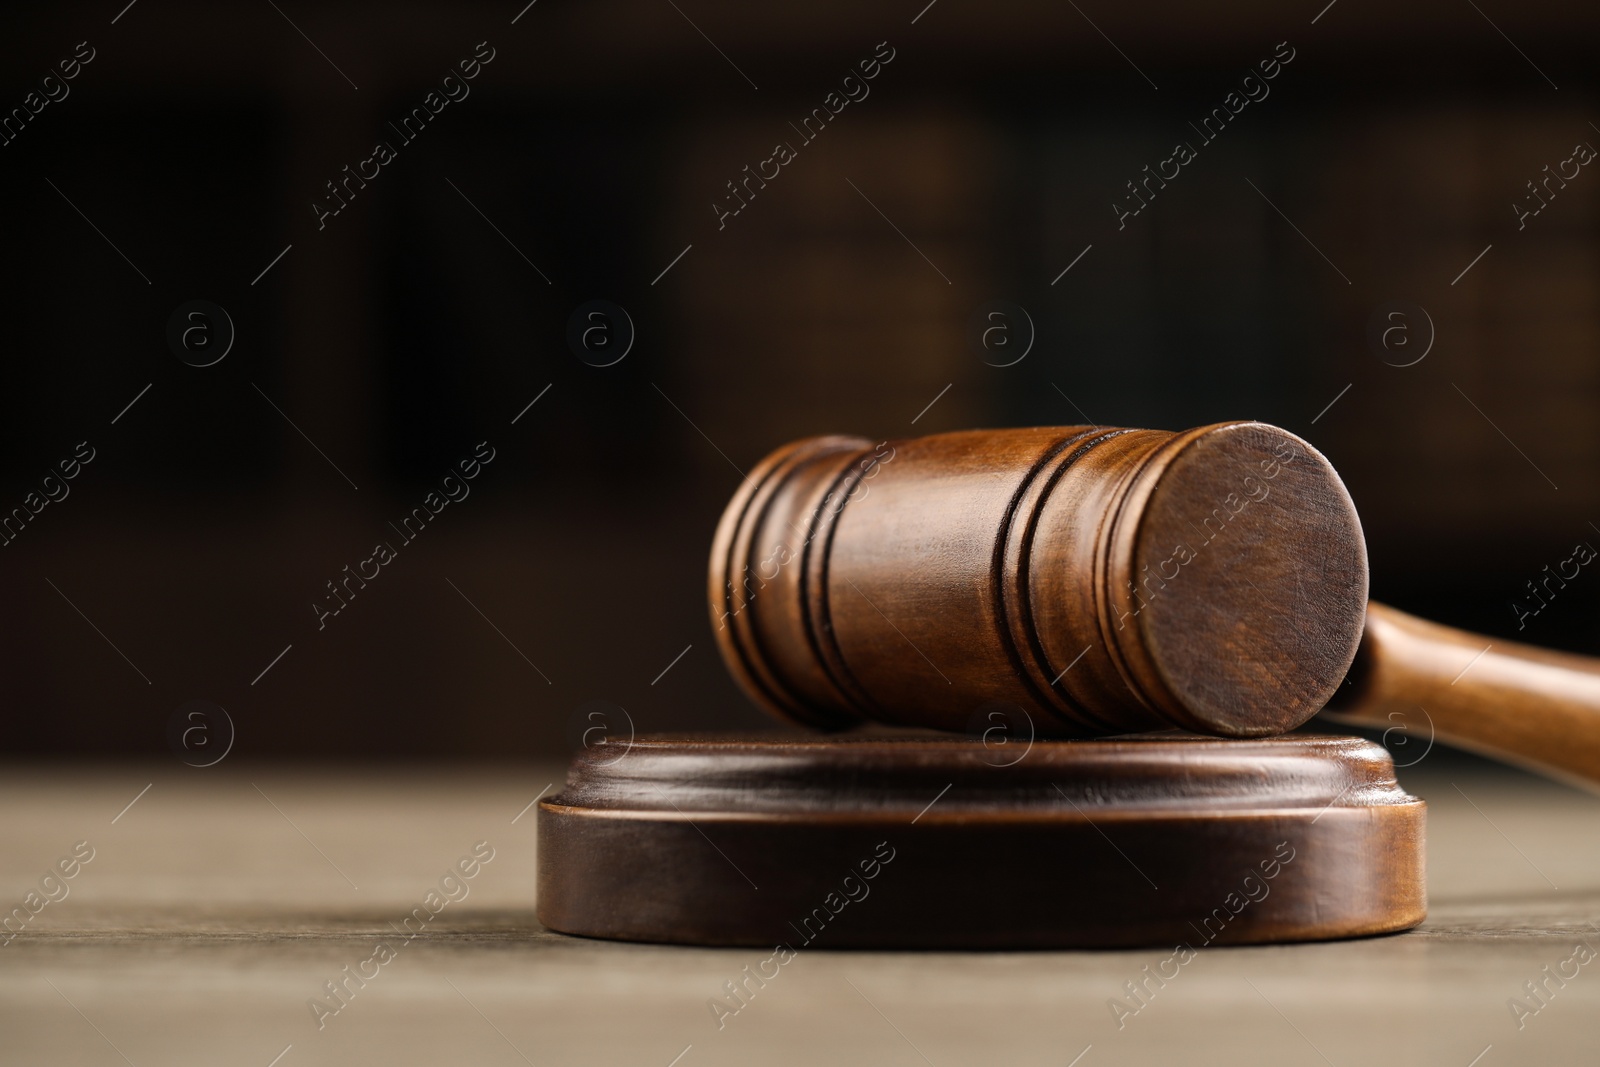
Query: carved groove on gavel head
{"points": [[1102, 580]]}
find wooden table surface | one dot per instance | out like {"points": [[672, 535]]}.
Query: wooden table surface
{"points": [[220, 902]]}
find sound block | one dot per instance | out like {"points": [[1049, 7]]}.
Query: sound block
{"points": [[1166, 839]]}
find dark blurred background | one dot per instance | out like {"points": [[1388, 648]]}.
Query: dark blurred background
{"points": [[424, 317]]}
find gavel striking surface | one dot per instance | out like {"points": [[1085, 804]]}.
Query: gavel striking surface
{"points": [[1153, 839], [1103, 580]]}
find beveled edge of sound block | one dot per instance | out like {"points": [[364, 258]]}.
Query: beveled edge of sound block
{"points": [[1157, 839]]}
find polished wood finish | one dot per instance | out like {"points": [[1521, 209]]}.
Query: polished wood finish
{"points": [[1094, 580], [918, 842], [1529, 706], [1090, 581]]}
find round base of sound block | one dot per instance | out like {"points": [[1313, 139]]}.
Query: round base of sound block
{"points": [[1166, 839]]}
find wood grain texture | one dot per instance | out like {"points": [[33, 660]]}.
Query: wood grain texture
{"points": [[1086, 581], [916, 842], [205, 922], [1100, 580], [1530, 706]]}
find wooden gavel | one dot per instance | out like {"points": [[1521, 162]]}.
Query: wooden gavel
{"points": [[1104, 581]]}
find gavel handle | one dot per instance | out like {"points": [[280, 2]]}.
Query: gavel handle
{"points": [[1512, 702]]}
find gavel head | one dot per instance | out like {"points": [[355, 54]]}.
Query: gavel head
{"points": [[1094, 580]]}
